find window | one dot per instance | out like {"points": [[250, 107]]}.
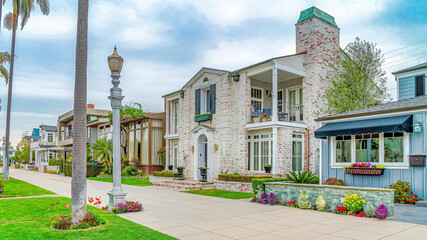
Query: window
{"points": [[393, 147], [174, 118], [70, 131], [388, 149], [50, 137], [260, 151], [297, 152], [367, 148], [343, 149], [175, 154], [419, 86], [257, 98], [205, 106], [91, 118], [295, 101]]}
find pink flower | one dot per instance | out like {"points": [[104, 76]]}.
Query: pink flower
{"points": [[67, 206]]}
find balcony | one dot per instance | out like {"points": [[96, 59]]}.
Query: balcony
{"points": [[287, 112]]}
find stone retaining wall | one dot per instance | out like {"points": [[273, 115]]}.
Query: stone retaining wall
{"points": [[333, 195], [234, 186]]}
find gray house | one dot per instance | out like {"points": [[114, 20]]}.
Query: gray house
{"points": [[393, 135]]}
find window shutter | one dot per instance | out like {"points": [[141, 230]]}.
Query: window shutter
{"points": [[419, 86], [197, 110], [212, 93]]}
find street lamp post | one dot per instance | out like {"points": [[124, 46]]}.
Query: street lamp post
{"points": [[115, 63]]}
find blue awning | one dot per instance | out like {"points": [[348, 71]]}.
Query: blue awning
{"points": [[366, 126]]}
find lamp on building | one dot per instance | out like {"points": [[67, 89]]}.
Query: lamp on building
{"points": [[418, 127], [115, 63]]}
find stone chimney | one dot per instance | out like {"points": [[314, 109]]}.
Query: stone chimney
{"points": [[90, 105]]}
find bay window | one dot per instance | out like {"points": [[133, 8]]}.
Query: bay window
{"points": [[389, 149], [260, 151]]}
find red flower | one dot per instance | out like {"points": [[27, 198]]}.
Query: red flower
{"points": [[103, 208], [57, 202], [91, 200], [52, 205]]}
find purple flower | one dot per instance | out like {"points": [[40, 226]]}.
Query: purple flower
{"points": [[272, 199], [263, 199], [381, 212], [368, 164]]}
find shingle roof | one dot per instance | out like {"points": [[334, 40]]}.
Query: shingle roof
{"points": [[397, 106], [416, 67], [48, 127]]}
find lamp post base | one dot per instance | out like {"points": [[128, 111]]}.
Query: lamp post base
{"points": [[116, 197]]}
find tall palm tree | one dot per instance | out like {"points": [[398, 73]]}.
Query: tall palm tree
{"points": [[2, 2], [78, 182], [23, 9], [102, 150]]}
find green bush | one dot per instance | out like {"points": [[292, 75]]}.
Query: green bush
{"points": [[238, 178], [302, 177], [91, 170], [53, 162], [258, 183], [61, 165], [130, 171], [165, 174], [403, 193]]}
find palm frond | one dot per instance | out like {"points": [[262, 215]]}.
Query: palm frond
{"points": [[4, 74], [4, 58], [44, 6], [25, 9]]}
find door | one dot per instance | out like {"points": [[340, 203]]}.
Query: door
{"points": [[297, 152], [280, 101], [294, 104], [203, 153]]}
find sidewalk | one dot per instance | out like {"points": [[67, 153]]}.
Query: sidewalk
{"points": [[189, 216]]}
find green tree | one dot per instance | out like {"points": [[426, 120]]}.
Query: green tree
{"points": [[78, 181], [102, 150], [4, 58], [355, 79], [23, 9]]}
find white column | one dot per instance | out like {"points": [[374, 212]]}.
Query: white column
{"points": [[275, 160], [37, 159], [31, 155], [167, 133], [274, 94]]}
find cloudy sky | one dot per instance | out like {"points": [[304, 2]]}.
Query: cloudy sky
{"points": [[164, 43]]}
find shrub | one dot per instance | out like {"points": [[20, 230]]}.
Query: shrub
{"points": [[369, 209], [264, 198], [50, 172], [272, 199], [165, 174], [334, 181], [61, 165], [258, 183], [320, 203], [381, 212], [303, 200], [403, 193], [302, 177], [130, 171], [354, 203], [1, 186], [238, 178], [291, 204], [91, 170], [53, 162], [129, 206], [64, 223]]}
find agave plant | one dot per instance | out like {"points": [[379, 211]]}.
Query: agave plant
{"points": [[302, 177]]}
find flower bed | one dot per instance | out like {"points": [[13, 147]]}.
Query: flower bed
{"points": [[65, 222], [403, 193], [334, 181], [129, 206]]}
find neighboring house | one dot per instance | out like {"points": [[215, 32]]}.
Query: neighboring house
{"points": [[216, 120], [65, 128], [392, 134], [11, 153], [45, 148], [142, 138], [28, 137]]}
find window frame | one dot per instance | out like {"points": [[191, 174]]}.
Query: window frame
{"points": [[205, 100], [251, 142], [258, 99], [301, 140], [401, 165]]}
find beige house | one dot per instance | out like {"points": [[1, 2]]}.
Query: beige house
{"points": [[240, 121]]}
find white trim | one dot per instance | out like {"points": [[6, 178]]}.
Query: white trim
{"points": [[257, 99], [302, 153], [347, 119], [274, 160], [259, 70], [274, 114], [290, 70], [320, 161], [271, 124], [171, 136], [270, 157]]}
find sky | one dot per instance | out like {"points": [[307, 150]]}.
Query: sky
{"points": [[164, 43]]}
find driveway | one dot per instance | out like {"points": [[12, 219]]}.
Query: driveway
{"points": [[188, 216]]}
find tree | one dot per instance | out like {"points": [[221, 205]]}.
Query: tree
{"points": [[2, 2], [4, 58], [102, 150], [79, 182], [23, 9], [355, 79]]}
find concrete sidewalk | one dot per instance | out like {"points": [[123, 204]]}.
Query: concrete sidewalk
{"points": [[189, 216]]}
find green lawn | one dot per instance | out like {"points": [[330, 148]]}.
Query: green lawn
{"points": [[18, 188], [31, 208], [221, 193], [127, 181]]}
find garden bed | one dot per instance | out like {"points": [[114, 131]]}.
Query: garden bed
{"points": [[332, 194]]}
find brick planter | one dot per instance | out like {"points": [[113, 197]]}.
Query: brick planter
{"points": [[365, 171]]}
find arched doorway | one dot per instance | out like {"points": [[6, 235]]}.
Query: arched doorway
{"points": [[202, 150]]}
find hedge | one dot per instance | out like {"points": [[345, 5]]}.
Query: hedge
{"points": [[91, 170], [165, 174], [238, 178], [259, 183]]}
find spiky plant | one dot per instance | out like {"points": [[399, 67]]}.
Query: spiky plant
{"points": [[302, 177]]}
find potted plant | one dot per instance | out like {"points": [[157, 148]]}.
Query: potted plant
{"points": [[267, 168], [170, 167], [364, 169], [180, 172], [203, 173], [264, 117]]}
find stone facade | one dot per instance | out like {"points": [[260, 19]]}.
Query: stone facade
{"points": [[333, 195], [227, 132]]}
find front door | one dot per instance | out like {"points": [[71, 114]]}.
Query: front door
{"points": [[203, 153]]}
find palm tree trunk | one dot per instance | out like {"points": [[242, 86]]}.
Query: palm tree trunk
{"points": [[1, 8], [9, 92], [78, 182]]}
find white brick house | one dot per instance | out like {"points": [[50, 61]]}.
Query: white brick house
{"points": [[216, 118]]}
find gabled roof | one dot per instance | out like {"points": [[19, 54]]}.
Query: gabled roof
{"points": [[266, 61], [202, 71], [208, 128], [413, 68], [48, 128], [36, 133], [397, 106]]}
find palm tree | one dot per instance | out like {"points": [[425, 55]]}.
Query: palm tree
{"points": [[23, 9], [102, 150], [79, 182], [4, 58], [2, 2]]}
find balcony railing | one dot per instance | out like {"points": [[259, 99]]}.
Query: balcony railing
{"points": [[288, 113]]}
